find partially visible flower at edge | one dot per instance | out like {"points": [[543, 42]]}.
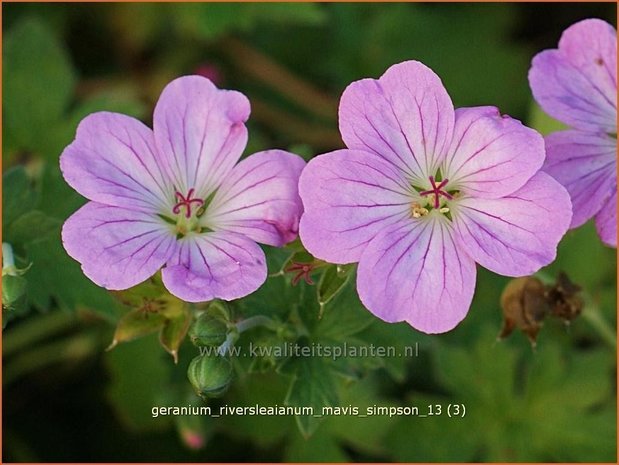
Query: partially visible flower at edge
{"points": [[175, 197], [577, 84], [423, 192]]}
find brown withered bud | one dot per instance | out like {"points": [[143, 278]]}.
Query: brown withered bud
{"points": [[564, 299], [524, 307], [526, 302]]}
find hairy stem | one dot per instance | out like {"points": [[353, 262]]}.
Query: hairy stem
{"points": [[241, 326], [252, 322]]}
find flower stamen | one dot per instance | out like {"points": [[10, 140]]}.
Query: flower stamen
{"points": [[437, 191], [186, 202], [418, 211]]}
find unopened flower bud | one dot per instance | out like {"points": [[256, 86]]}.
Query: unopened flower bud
{"points": [[210, 376], [208, 330]]}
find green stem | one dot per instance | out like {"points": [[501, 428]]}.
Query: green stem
{"points": [[231, 338], [241, 326], [252, 322], [35, 329], [593, 315]]}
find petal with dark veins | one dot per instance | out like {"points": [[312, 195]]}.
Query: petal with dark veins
{"points": [[217, 265], [349, 196], [406, 117], [117, 247], [414, 271], [260, 199], [518, 234]]}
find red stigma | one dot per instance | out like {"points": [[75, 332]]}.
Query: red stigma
{"points": [[437, 191], [303, 269], [185, 202]]}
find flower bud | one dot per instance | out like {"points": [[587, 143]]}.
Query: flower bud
{"points": [[210, 376], [208, 330], [524, 307], [13, 287]]}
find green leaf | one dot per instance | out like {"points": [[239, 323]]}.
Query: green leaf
{"points": [[120, 99], [174, 331], [38, 83], [370, 38], [312, 386], [54, 275], [287, 13], [320, 447], [123, 98], [576, 393], [54, 187], [365, 433], [400, 336], [345, 317], [32, 226], [18, 197], [436, 438], [332, 281], [212, 20], [275, 298], [135, 324], [137, 371], [266, 389], [343, 430], [143, 294], [544, 406]]}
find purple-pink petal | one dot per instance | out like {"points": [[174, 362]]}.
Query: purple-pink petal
{"points": [[259, 198], [113, 160], [406, 117], [413, 271], [606, 220], [349, 196], [577, 83], [117, 247], [491, 155], [584, 163], [518, 234], [200, 132], [216, 265]]}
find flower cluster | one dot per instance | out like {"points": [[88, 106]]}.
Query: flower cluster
{"points": [[421, 194]]}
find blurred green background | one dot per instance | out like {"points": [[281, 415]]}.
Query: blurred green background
{"points": [[66, 399]]}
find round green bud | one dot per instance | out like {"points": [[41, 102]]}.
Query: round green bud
{"points": [[208, 330], [210, 376]]}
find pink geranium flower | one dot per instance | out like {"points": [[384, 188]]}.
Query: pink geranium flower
{"points": [[577, 84], [172, 197], [423, 192]]}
